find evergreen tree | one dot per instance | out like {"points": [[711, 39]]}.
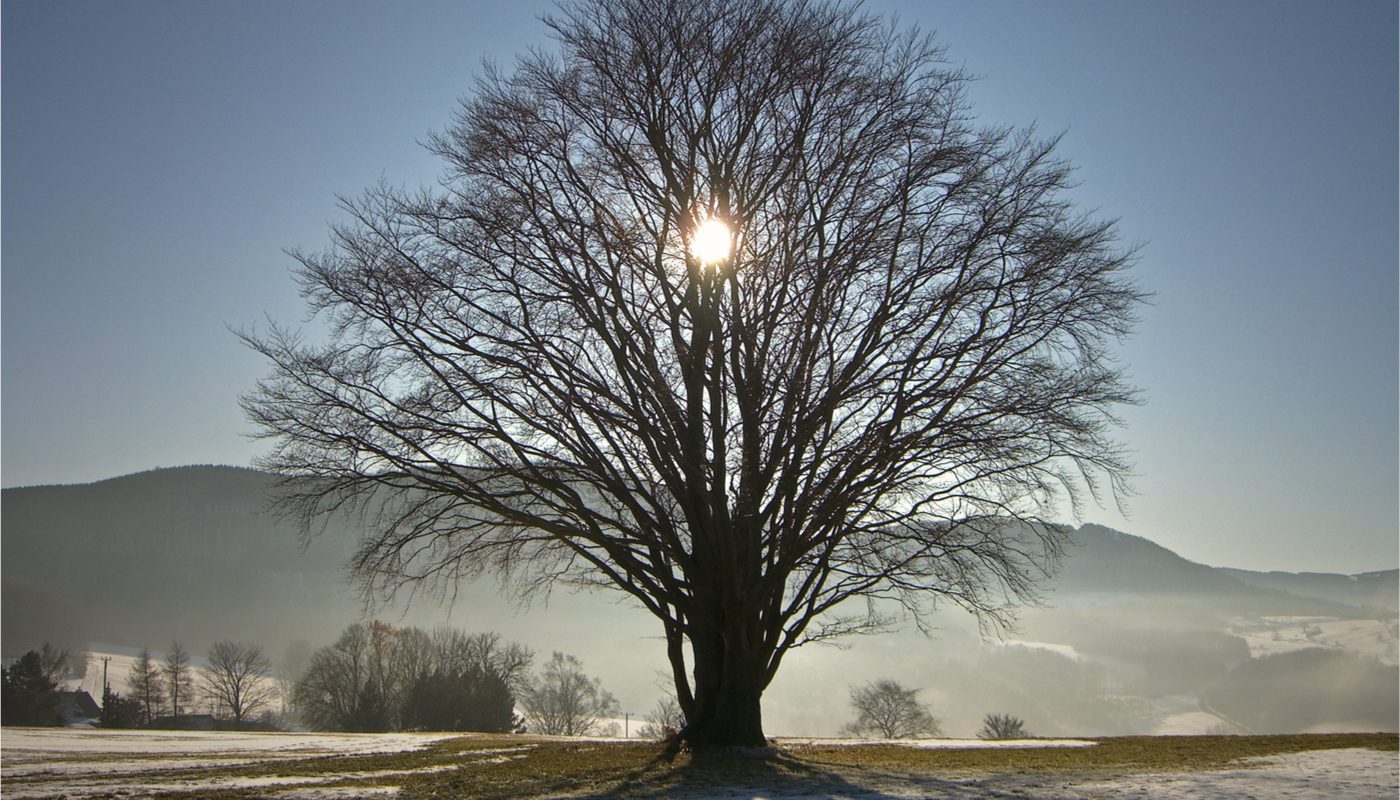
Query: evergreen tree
{"points": [[473, 700], [120, 712], [29, 695]]}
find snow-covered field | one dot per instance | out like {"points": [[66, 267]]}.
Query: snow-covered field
{"points": [[18, 745], [1355, 774], [1365, 637], [71, 763], [1315, 775], [102, 762]]}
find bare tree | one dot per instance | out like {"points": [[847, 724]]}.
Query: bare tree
{"points": [[355, 684], [412, 656], [563, 701], [488, 653], [239, 679], [146, 685], [57, 662], [333, 690], [889, 710], [1002, 726], [179, 677], [728, 306], [665, 720], [363, 681]]}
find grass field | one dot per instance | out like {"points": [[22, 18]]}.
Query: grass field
{"points": [[480, 766]]}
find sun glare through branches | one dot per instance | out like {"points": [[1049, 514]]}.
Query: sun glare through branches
{"points": [[711, 242]]}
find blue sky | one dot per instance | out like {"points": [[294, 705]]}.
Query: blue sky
{"points": [[158, 157]]}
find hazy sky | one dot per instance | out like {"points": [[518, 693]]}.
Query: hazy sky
{"points": [[159, 156]]}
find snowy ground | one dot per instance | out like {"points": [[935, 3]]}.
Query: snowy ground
{"points": [[1365, 637], [52, 763], [102, 762], [1317, 775], [1314, 775], [939, 744], [30, 743]]}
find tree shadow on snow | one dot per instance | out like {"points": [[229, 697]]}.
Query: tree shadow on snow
{"points": [[776, 774]]}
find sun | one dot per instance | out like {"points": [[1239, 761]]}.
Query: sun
{"points": [[711, 241]]}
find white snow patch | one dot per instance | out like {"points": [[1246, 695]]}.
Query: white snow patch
{"points": [[51, 741], [942, 744], [115, 783], [76, 766], [90, 753], [1370, 638], [83, 756], [1356, 774]]}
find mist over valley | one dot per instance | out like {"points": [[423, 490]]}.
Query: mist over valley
{"points": [[1131, 639]]}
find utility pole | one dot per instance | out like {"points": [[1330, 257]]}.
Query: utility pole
{"points": [[626, 724], [105, 659]]}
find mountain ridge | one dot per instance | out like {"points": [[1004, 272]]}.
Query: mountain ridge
{"points": [[198, 549], [254, 473]]}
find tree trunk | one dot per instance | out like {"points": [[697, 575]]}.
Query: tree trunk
{"points": [[729, 679], [729, 717]]}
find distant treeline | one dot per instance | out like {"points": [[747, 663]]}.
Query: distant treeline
{"points": [[378, 677], [374, 677]]}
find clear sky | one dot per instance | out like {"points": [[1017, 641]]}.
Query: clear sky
{"points": [[158, 157]]}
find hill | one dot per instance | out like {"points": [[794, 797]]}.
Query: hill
{"points": [[1103, 560], [1367, 590], [172, 553], [194, 553], [1131, 639]]}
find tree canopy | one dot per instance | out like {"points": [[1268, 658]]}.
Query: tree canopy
{"points": [[533, 371]]}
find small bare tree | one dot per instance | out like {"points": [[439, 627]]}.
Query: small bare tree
{"points": [[665, 720], [146, 686], [335, 692], [238, 680], [57, 662], [1002, 726], [563, 701], [731, 307], [179, 677], [887, 709]]}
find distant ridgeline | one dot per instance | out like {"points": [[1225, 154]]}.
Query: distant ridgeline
{"points": [[189, 553], [193, 553], [1104, 560]]}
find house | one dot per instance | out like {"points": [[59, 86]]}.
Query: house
{"points": [[77, 708]]}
